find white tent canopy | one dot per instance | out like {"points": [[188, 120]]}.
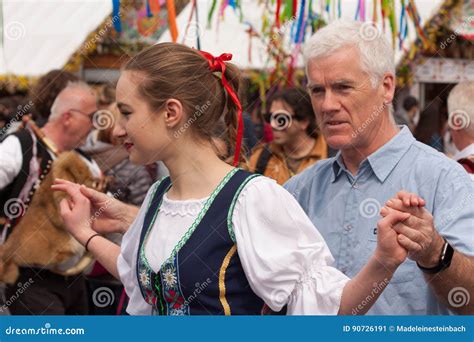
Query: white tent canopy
{"points": [[229, 35], [41, 35]]}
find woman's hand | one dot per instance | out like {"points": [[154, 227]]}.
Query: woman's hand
{"points": [[106, 214], [75, 211], [389, 251]]}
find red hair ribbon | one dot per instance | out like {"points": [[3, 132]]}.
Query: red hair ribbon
{"points": [[217, 64]]}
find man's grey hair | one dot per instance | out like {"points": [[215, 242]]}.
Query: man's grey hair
{"points": [[461, 107], [62, 102], [375, 51]]}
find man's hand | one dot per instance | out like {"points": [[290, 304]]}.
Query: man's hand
{"points": [[417, 233]]}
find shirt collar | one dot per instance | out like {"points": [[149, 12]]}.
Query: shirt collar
{"points": [[385, 158], [466, 152]]}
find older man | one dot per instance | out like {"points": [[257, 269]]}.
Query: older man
{"points": [[351, 80], [461, 123], [24, 155]]}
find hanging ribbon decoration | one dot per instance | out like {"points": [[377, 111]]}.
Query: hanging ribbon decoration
{"points": [[154, 6], [211, 13], [403, 26], [193, 10], [217, 64], [413, 13], [116, 14], [172, 20], [375, 14], [198, 35], [148, 9], [277, 14]]}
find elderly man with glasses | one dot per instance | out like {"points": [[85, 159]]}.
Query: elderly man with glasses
{"points": [[351, 81], [25, 159]]}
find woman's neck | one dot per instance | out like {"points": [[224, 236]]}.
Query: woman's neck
{"points": [[195, 171]]}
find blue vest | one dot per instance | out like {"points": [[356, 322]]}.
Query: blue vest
{"points": [[203, 275]]}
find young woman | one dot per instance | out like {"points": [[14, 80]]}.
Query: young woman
{"points": [[211, 238]]}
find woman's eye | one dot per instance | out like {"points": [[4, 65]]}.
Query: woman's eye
{"points": [[124, 113]]}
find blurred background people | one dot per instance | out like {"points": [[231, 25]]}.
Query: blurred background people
{"points": [[296, 143], [461, 123]]}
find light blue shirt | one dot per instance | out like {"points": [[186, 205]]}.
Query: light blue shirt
{"points": [[345, 209]]}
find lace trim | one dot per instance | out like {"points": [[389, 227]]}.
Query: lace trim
{"points": [[191, 229], [182, 208]]}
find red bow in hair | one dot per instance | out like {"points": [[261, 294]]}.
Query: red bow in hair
{"points": [[217, 64]]}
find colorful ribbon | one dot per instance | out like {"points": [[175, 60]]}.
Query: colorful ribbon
{"points": [[217, 64]]}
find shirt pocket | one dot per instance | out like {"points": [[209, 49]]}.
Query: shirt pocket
{"points": [[404, 273]]}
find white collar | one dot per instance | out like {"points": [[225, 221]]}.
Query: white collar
{"points": [[469, 150]]}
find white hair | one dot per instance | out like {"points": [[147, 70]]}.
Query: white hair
{"points": [[62, 102], [461, 106], [376, 54]]}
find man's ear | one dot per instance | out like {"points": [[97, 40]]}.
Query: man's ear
{"points": [[388, 84], [65, 119], [174, 113]]}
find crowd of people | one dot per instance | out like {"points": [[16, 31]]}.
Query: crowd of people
{"points": [[336, 203]]}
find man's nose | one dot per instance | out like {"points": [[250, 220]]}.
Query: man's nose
{"points": [[330, 102]]}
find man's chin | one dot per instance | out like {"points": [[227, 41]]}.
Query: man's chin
{"points": [[338, 142]]}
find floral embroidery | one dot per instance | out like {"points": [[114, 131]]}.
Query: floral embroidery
{"points": [[169, 277], [145, 279]]}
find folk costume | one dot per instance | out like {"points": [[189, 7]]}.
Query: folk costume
{"points": [[36, 250], [246, 246]]}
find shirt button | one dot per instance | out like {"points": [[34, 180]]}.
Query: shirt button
{"points": [[348, 227], [355, 186]]}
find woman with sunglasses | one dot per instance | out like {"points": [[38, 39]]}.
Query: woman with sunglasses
{"points": [[296, 143], [211, 238]]}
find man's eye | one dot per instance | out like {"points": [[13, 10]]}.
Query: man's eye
{"points": [[317, 90], [343, 87]]}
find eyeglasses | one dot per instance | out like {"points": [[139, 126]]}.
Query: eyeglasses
{"points": [[89, 116]]}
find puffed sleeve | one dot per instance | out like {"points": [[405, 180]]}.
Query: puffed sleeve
{"points": [[127, 261], [284, 257]]}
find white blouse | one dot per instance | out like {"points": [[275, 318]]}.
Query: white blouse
{"points": [[285, 259]]}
